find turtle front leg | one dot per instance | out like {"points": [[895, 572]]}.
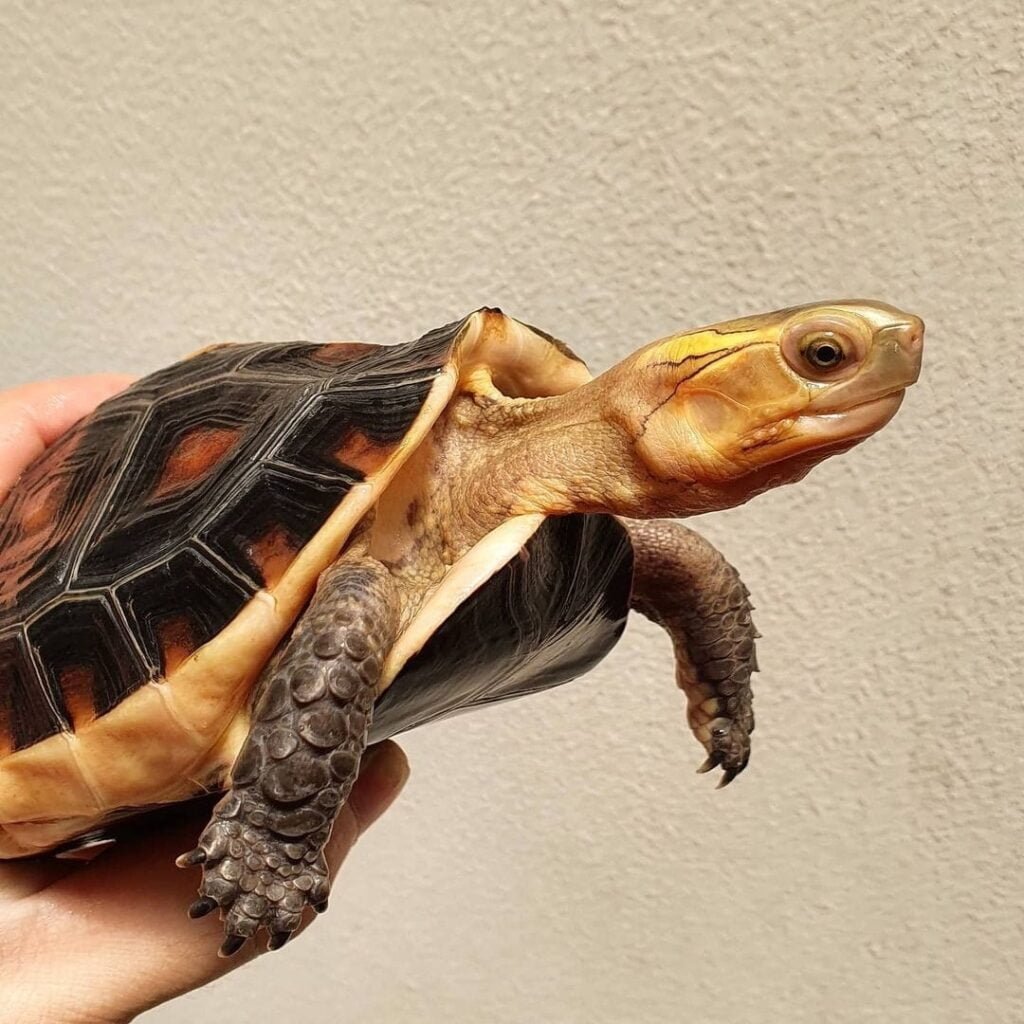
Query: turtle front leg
{"points": [[686, 586], [263, 851]]}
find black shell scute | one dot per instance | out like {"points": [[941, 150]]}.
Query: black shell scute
{"points": [[148, 527]]}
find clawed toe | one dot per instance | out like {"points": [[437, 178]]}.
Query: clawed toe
{"points": [[729, 748], [201, 907], [258, 880], [231, 945]]}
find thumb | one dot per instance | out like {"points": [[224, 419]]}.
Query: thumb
{"points": [[382, 776]]}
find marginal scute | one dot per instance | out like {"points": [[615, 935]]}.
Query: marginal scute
{"points": [[359, 453], [276, 500]]}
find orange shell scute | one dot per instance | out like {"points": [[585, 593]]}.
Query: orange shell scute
{"points": [[76, 685], [194, 456], [273, 551], [358, 451], [338, 352], [177, 642]]}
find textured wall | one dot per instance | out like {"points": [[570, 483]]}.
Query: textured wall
{"points": [[174, 174]]}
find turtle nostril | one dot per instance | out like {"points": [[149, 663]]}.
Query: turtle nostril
{"points": [[911, 337]]}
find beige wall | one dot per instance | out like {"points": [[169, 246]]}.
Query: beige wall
{"points": [[171, 176]]}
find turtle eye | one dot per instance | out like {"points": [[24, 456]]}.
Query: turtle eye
{"points": [[823, 351]]}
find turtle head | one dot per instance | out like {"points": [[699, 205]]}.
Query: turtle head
{"points": [[731, 410]]}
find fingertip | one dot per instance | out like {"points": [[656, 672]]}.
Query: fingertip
{"points": [[383, 774], [33, 416], [387, 761], [53, 406]]}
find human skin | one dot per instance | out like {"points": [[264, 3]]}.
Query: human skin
{"points": [[69, 930]]}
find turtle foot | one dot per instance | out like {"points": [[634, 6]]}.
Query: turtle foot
{"points": [[728, 747], [258, 880]]}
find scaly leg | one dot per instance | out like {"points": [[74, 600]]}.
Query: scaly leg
{"points": [[685, 585], [262, 853]]}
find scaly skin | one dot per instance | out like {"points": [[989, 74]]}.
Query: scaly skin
{"points": [[686, 586], [262, 853]]}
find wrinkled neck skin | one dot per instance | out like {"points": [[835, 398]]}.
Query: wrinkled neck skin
{"points": [[577, 452], [490, 460]]}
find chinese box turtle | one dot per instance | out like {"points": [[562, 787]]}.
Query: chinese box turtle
{"points": [[238, 572]]}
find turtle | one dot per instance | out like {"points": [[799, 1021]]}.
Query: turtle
{"points": [[236, 574]]}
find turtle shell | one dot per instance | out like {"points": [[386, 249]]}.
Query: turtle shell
{"points": [[546, 616], [153, 559]]}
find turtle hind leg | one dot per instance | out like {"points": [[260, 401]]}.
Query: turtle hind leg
{"points": [[262, 853], [686, 586]]}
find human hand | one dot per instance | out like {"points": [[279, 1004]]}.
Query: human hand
{"points": [[101, 942]]}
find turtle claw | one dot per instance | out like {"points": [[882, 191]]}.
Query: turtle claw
{"points": [[277, 940], [201, 907], [231, 945], [192, 858]]}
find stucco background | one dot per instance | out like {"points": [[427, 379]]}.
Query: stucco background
{"points": [[176, 174]]}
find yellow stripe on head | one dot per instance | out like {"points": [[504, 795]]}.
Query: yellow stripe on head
{"points": [[716, 339]]}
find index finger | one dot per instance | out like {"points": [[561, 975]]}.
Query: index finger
{"points": [[34, 415]]}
